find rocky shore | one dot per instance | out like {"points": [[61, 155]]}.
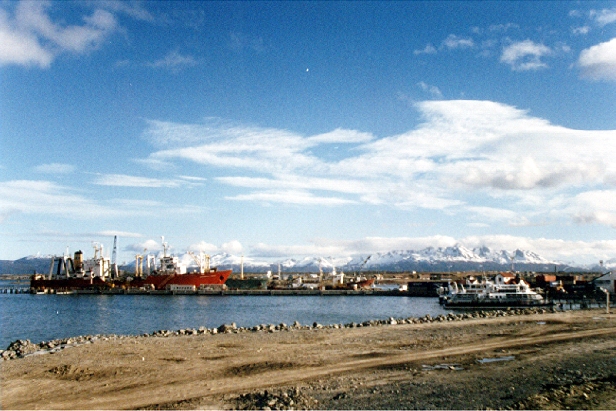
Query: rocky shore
{"points": [[23, 348], [509, 359]]}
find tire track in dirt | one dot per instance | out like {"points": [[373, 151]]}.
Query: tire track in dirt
{"points": [[283, 377]]}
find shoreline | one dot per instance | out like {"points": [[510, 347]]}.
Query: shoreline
{"points": [[420, 364], [23, 348]]}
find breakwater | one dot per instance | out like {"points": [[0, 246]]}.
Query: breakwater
{"points": [[23, 348]]}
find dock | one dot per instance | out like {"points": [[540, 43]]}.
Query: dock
{"points": [[220, 292]]}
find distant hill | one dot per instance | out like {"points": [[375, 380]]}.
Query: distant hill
{"points": [[26, 265]]}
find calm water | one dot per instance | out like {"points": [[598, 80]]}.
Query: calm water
{"points": [[46, 317]]}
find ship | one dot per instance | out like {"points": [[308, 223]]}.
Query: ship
{"points": [[67, 274], [98, 274], [506, 290], [172, 275]]}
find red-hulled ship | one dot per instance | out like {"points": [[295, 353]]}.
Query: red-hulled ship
{"points": [[97, 273], [172, 274]]}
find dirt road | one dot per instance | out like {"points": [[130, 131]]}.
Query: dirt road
{"points": [[502, 362]]}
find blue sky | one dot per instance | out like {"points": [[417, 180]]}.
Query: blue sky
{"points": [[288, 129]]}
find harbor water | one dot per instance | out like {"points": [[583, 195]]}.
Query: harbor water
{"points": [[46, 317]]}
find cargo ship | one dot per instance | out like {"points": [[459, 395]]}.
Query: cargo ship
{"points": [[172, 274], [98, 274]]}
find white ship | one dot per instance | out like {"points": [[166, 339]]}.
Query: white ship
{"points": [[506, 290]]}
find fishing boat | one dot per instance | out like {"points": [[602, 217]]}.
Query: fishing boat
{"points": [[506, 290]]}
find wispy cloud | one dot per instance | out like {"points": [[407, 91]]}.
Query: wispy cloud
{"points": [[241, 41], [434, 91], [599, 61], [123, 180], [291, 197], [464, 151], [525, 55], [46, 198], [174, 61], [582, 30], [55, 168]]}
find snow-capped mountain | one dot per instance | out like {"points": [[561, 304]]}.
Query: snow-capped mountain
{"points": [[456, 258], [430, 259]]}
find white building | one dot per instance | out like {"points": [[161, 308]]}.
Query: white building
{"points": [[181, 288]]}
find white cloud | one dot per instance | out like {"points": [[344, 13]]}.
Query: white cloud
{"points": [[31, 37], [429, 49], [525, 55], [21, 48], [603, 17], [232, 247], [599, 61], [55, 168], [202, 246], [595, 207], [454, 42]]}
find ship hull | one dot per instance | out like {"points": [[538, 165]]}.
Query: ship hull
{"points": [[157, 282], [69, 284], [494, 303], [160, 282]]}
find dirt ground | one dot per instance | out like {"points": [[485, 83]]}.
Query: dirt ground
{"points": [[562, 360]]}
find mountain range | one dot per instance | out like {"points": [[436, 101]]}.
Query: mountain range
{"points": [[430, 259]]}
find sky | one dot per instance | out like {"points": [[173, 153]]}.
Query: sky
{"points": [[290, 129]]}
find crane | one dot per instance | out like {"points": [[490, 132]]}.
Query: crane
{"points": [[203, 261], [364, 263]]}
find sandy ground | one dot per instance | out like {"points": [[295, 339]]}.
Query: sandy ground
{"points": [[563, 360]]}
